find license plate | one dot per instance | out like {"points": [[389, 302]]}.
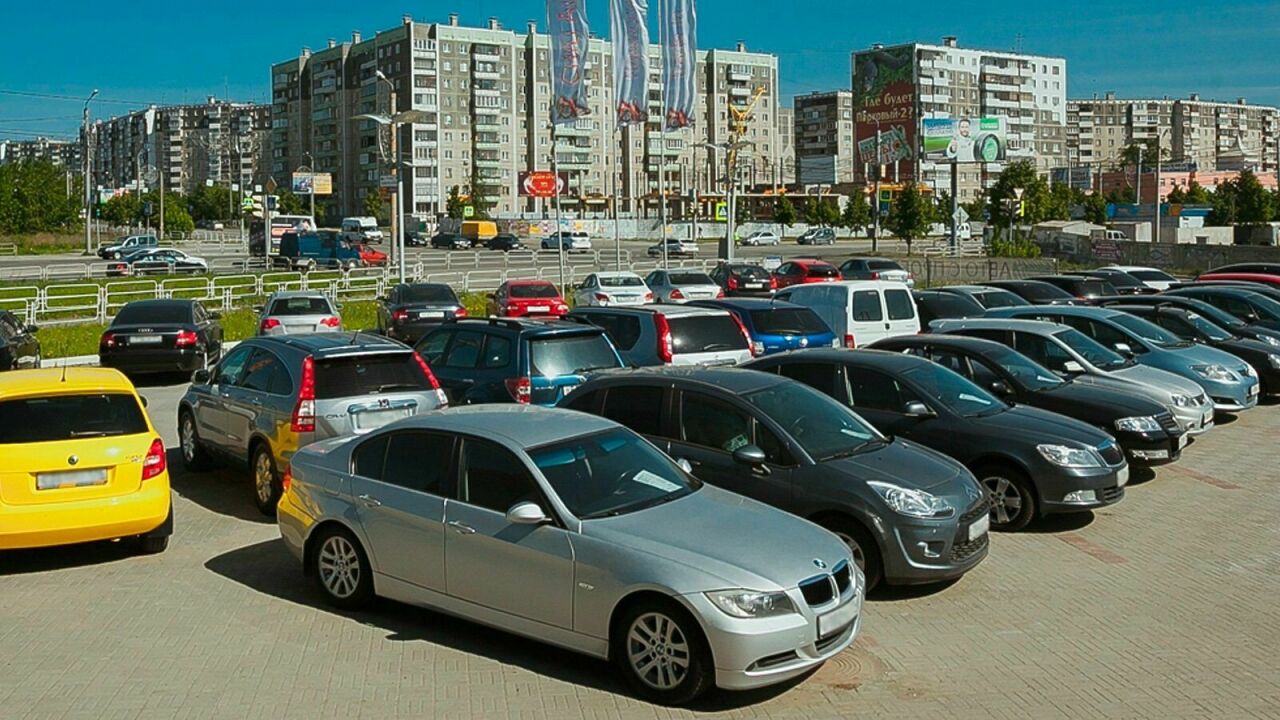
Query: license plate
{"points": [[1122, 477], [430, 315], [374, 420], [837, 619], [539, 308], [753, 286], [1183, 439], [979, 527], [71, 479], [145, 340], [566, 389]]}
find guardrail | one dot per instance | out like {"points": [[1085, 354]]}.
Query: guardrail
{"points": [[9, 248]]}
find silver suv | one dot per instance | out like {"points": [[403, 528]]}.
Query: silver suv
{"points": [[671, 334], [271, 396]]}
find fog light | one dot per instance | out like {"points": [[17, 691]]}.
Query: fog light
{"points": [[1150, 454], [931, 549], [1081, 496]]}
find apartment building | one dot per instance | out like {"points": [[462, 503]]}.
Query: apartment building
{"points": [[823, 123], [1207, 135], [483, 94], [903, 85], [182, 145], [64, 153]]}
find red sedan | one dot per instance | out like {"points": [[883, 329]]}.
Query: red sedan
{"points": [[526, 298], [803, 271], [371, 257], [1260, 278]]}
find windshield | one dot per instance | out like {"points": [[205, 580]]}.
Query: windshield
{"points": [[823, 427], [546, 290], [690, 278], [570, 355], [949, 305], [621, 281], [953, 391], [788, 321], [1217, 315], [1149, 331], [1154, 275], [1087, 287], [1091, 351], [610, 473], [1044, 291], [1266, 308], [66, 417], [1123, 280], [428, 294], [995, 298], [1027, 372], [1210, 329], [158, 314]]}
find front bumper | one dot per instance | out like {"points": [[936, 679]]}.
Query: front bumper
{"points": [[1054, 483], [1196, 419], [188, 359], [753, 653], [65, 523], [919, 551], [1151, 449]]}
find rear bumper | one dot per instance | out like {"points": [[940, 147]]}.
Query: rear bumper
{"points": [[154, 361], [65, 523]]}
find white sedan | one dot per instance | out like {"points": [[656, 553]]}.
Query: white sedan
{"points": [[1154, 278], [681, 286], [762, 237], [611, 289]]}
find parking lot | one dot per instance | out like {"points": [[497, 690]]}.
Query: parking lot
{"points": [[1164, 605]]}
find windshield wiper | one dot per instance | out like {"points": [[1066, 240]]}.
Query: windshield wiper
{"points": [[397, 386], [855, 450], [95, 433], [661, 500], [717, 346]]}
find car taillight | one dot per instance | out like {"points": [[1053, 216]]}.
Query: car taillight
{"points": [[848, 341], [773, 283], [732, 283], [601, 297], [426, 370], [186, 338], [911, 276], [268, 323], [460, 312], [332, 321], [561, 309], [875, 275], [666, 346], [521, 389], [648, 297], [745, 335], [154, 463], [304, 413], [108, 341], [675, 294], [400, 315], [720, 293], [286, 478]]}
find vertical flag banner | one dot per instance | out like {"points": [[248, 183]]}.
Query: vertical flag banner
{"points": [[630, 31], [567, 25], [679, 62]]}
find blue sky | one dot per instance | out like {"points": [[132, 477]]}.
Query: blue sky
{"points": [[146, 51]]}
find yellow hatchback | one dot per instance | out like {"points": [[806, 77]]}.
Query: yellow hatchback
{"points": [[79, 461]]}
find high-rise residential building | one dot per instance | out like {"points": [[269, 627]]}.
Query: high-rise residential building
{"points": [[1203, 134], [64, 153], [183, 145], [484, 98], [824, 135], [787, 146], [903, 85]]}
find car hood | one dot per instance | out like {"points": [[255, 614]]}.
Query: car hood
{"points": [[1041, 426], [1160, 379], [1096, 403], [733, 541], [1202, 355], [907, 465]]}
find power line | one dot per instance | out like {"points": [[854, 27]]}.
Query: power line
{"points": [[71, 98], [24, 133], [39, 119]]}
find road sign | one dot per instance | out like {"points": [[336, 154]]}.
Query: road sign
{"points": [[387, 181], [247, 204], [208, 182], [271, 185], [960, 216], [147, 209], [722, 211], [468, 211], [271, 202]]}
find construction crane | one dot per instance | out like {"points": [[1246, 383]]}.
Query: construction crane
{"points": [[741, 117]]}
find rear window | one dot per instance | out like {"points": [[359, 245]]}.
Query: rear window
{"points": [[428, 294], [1125, 280], [369, 375], [705, 333], [823, 271], [624, 281], [153, 315], [570, 355], [49, 419], [534, 291], [751, 272], [998, 298], [300, 306], [947, 305], [1043, 291], [788, 321], [1154, 275], [690, 278], [1095, 287], [883, 265], [899, 304]]}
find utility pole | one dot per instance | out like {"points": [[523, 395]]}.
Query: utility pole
{"points": [[875, 199], [395, 172], [162, 172], [1155, 227], [613, 178], [88, 184]]}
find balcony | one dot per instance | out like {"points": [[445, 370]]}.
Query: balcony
{"points": [[485, 51], [487, 144], [479, 74], [739, 91], [486, 110], [575, 130], [740, 75]]}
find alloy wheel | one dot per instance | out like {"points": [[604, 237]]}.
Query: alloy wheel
{"points": [[658, 651], [339, 566], [1006, 500], [188, 438], [263, 477]]}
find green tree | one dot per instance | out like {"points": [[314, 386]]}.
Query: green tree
{"points": [[1254, 202], [289, 204], [122, 210], [373, 204], [1095, 209], [857, 212], [1060, 201], [211, 202], [910, 215], [784, 212], [1122, 196], [38, 196], [454, 206], [1036, 204], [1197, 194], [1225, 202]]}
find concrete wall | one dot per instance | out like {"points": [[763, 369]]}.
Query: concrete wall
{"points": [[931, 272], [1185, 256]]}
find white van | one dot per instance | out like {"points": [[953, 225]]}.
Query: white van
{"points": [[361, 229], [859, 312]]}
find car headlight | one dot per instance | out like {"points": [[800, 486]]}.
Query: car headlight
{"points": [[1069, 457], [751, 604], [1143, 424], [1216, 373], [1268, 339], [1249, 371], [913, 503], [1183, 400]]}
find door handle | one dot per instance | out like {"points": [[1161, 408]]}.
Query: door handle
{"points": [[462, 527], [256, 402], [370, 501]]}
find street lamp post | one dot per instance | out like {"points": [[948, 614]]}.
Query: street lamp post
{"points": [[394, 121], [88, 167], [311, 170], [1155, 231]]}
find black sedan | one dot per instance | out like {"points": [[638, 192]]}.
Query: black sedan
{"points": [[413, 238], [1190, 325], [744, 280], [160, 336], [505, 242], [1215, 314], [410, 311], [1123, 282], [1082, 288], [450, 241], [1248, 304], [19, 348], [1032, 462], [1036, 292], [1145, 429], [937, 305], [987, 297]]}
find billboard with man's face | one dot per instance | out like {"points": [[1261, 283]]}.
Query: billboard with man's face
{"points": [[884, 92], [964, 140]]}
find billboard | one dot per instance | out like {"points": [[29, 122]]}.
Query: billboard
{"points": [[542, 183], [567, 21], [964, 140], [884, 92], [629, 28], [679, 22], [817, 169], [312, 183]]}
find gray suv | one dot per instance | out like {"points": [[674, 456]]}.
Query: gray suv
{"points": [[271, 396], [671, 334]]}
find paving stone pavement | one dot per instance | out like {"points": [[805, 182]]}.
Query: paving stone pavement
{"points": [[1162, 606]]}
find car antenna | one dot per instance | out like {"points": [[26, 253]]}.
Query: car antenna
{"points": [[64, 370]]}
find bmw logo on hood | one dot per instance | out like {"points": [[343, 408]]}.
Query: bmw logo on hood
{"points": [[819, 564]]}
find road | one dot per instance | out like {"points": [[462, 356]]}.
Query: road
{"points": [[1161, 606]]}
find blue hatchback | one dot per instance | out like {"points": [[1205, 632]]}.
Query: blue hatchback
{"points": [[538, 362], [776, 326]]}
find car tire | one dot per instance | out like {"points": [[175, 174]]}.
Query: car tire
{"points": [[1013, 502], [195, 458], [152, 544], [341, 569], [661, 653], [865, 551], [266, 480]]}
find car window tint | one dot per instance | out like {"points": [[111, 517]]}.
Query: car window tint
{"points": [[983, 375], [426, 294], [465, 350], [639, 408], [369, 459], [774, 451], [950, 360], [232, 365], [67, 417], [714, 424], [497, 352], [706, 333], [493, 478], [300, 306], [349, 376], [866, 306], [1042, 350], [264, 373], [1110, 337], [431, 348], [872, 390], [1000, 336], [819, 376], [899, 304], [576, 354], [626, 332], [166, 313], [418, 461]]}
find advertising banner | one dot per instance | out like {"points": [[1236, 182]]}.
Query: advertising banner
{"points": [[542, 183], [964, 140], [884, 91], [567, 24], [308, 183], [629, 26], [679, 62]]}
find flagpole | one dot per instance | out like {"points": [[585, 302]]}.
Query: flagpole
{"points": [[662, 134], [555, 167], [617, 233]]}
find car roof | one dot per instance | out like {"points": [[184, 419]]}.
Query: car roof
{"points": [[805, 262], [664, 310], [734, 380], [883, 359], [747, 304], [171, 302], [521, 426], [967, 289], [1072, 310], [614, 273], [964, 342], [1073, 278], [298, 294], [532, 281], [62, 380], [1129, 268], [1019, 282], [1038, 327], [524, 325], [868, 258], [332, 343]]}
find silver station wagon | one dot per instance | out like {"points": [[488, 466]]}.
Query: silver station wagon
{"points": [[571, 529]]}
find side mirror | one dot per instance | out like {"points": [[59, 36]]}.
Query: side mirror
{"points": [[685, 465], [1073, 367], [1123, 349], [1001, 387], [526, 513], [917, 409], [33, 329], [143, 398], [749, 455], [200, 377]]}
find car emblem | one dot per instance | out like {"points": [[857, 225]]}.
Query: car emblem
{"points": [[804, 342], [384, 403], [73, 460], [819, 564]]}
